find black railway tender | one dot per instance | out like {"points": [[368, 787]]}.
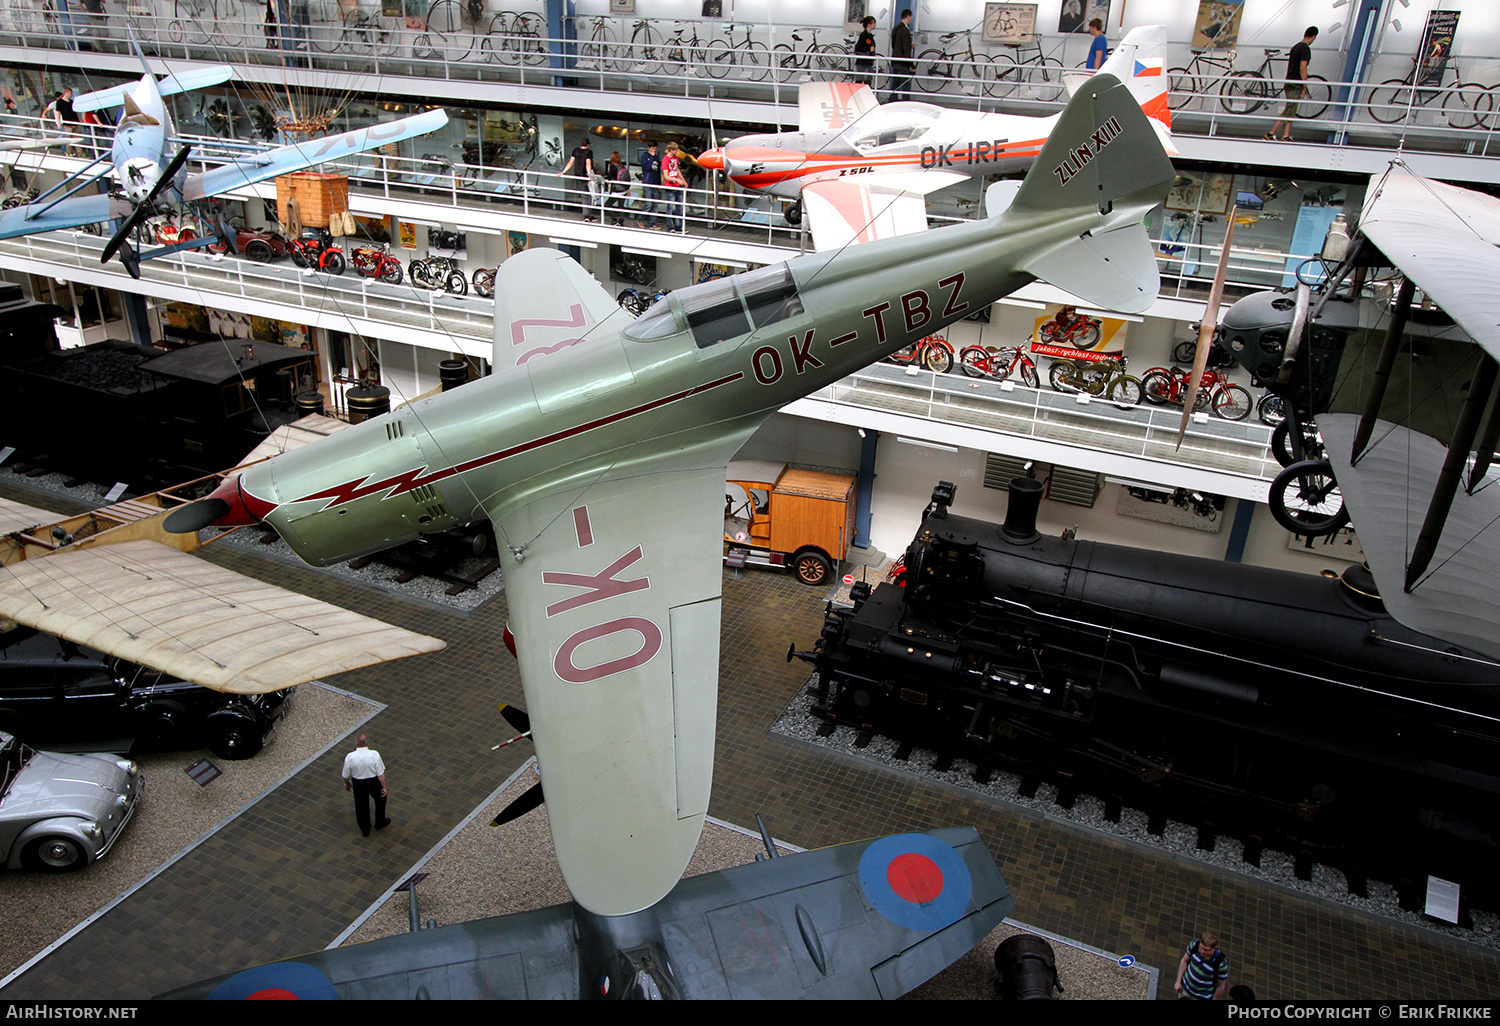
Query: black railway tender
{"points": [[1286, 708]]}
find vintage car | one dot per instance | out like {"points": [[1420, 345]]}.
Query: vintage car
{"points": [[62, 695], [259, 244], [61, 812]]}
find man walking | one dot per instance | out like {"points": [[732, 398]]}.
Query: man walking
{"points": [[364, 774], [1099, 47], [902, 65], [1203, 973], [1296, 73]]}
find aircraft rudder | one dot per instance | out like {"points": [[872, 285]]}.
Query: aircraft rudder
{"points": [[1140, 61]]}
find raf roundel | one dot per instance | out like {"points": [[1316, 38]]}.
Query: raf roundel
{"points": [[915, 881], [279, 981]]}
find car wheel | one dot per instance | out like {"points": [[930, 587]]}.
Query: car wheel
{"points": [[54, 854], [812, 567], [260, 251], [161, 722], [234, 739]]}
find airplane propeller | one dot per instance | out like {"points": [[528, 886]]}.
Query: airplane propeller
{"points": [[195, 516], [533, 796], [142, 211], [1206, 329]]}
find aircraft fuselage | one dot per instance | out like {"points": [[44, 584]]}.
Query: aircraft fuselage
{"points": [[139, 152]]}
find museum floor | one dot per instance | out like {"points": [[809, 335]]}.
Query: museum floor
{"points": [[292, 872]]}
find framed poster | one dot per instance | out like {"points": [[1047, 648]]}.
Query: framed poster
{"points": [[854, 13], [407, 233], [1218, 24], [621, 6], [704, 271], [1010, 24], [1207, 194], [1437, 43], [515, 242], [1076, 15]]}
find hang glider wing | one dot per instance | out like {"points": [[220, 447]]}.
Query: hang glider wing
{"points": [[1444, 239], [154, 605], [15, 516], [841, 211], [545, 302], [832, 106], [871, 919], [615, 612], [73, 212], [298, 156], [1387, 494], [170, 85]]}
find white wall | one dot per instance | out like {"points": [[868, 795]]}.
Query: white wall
{"points": [[408, 371]]}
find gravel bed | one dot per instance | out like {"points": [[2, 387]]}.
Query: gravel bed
{"points": [[796, 723], [174, 813], [487, 871]]}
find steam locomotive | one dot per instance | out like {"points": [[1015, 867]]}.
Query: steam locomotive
{"points": [[1288, 708]]}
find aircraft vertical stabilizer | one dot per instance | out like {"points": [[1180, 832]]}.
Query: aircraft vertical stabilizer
{"points": [[1101, 159]]}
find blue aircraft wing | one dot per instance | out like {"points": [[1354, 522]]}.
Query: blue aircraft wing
{"points": [[72, 212], [298, 156]]}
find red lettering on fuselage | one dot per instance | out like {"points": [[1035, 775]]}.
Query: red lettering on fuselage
{"points": [[600, 586], [878, 314], [953, 306], [766, 377], [915, 309], [574, 674], [801, 356]]}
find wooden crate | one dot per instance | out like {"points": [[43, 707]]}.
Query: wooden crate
{"points": [[319, 196]]}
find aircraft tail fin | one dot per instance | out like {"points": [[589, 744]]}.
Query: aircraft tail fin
{"points": [[1140, 61], [1103, 162]]}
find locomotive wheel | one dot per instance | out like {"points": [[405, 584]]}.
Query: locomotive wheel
{"points": [[1305, 499], [812, 567]]}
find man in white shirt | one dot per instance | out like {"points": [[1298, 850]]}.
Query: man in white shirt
{"points": [[364, 774]]}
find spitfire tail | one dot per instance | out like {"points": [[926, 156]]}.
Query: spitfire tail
{"points": [[1103, 164], [1140, 61]]}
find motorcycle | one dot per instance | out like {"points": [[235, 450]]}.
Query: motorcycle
{"points": [[483, 280], [377, 263], [1105, 379], [315, 249], [438, 274]]}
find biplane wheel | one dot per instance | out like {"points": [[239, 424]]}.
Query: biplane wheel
{"points": [[1281, 443], [1305, 499]]}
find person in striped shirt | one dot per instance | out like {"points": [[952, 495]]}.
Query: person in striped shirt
{"points": [[1203, 973]]}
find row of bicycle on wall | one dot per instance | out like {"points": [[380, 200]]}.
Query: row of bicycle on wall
{"points": [[1102, 375], [316, 248]]}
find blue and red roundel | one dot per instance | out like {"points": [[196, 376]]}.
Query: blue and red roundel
{"points": [[916, 881], [279, 981]]}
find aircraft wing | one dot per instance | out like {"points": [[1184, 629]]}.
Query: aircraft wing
{"points": [[294, 435], [173, 83], [832, 106], [1387, 494], [615, 611], [545, 301], [72, 212], [15, 516], [154, 605], [841, 211], [298, 156], [1444, 239], [34, 144]]}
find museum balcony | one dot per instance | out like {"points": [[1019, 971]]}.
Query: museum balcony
{"points": [[711, 70]]}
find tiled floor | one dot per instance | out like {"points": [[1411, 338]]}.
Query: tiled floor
{"points": [[291, 873]]}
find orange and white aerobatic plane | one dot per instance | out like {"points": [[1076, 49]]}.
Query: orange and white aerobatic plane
{"points": [[860, 170]]}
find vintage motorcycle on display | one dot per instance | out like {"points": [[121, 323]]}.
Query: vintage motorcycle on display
{"points": [[1168, 386], [315, 248], [1104, 378], [483, 280], [438, 274], [933, 352], [169, 233], [377, 263], [1000, 364]]}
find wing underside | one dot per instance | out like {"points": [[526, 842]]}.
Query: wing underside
{"points": [[73, 212], [842, 211], [153, 605], [615, 611]]}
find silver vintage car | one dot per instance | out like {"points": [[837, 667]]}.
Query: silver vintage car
{"points": [[61, 812]]}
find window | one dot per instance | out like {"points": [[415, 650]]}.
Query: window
{"points": [[656, 323], [714, 312], [771, 294], [893, 123]]}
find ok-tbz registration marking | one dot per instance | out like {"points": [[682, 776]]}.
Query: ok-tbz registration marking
{"points": [[1080, 156]]}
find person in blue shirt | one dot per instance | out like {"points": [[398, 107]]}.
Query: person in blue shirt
{"points": [[650, 185], [1099, 48]]}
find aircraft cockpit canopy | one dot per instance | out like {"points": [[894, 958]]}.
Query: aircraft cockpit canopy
{"points": [[892, 123], [722, 308]]}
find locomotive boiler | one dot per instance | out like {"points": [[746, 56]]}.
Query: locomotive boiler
{"points": [[1288, 708]]}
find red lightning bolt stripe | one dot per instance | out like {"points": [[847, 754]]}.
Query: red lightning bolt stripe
{"points": [[411, 479]]}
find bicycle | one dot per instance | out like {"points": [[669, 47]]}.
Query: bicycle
{"points": [[932, 352], [1105, 379], [1000, 364], [830, 59], [749, 55], [691, 54], [1245, 92], [450, 31], [1187, 84], [1009, 77], [515, 39], [1465, 104], [597, 53], [1165, 386], [364, 34], [972, 71], [207, 22]]}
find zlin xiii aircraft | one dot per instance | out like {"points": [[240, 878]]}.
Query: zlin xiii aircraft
{"points": [[598, 449], [146, 169], [860, 170]]}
